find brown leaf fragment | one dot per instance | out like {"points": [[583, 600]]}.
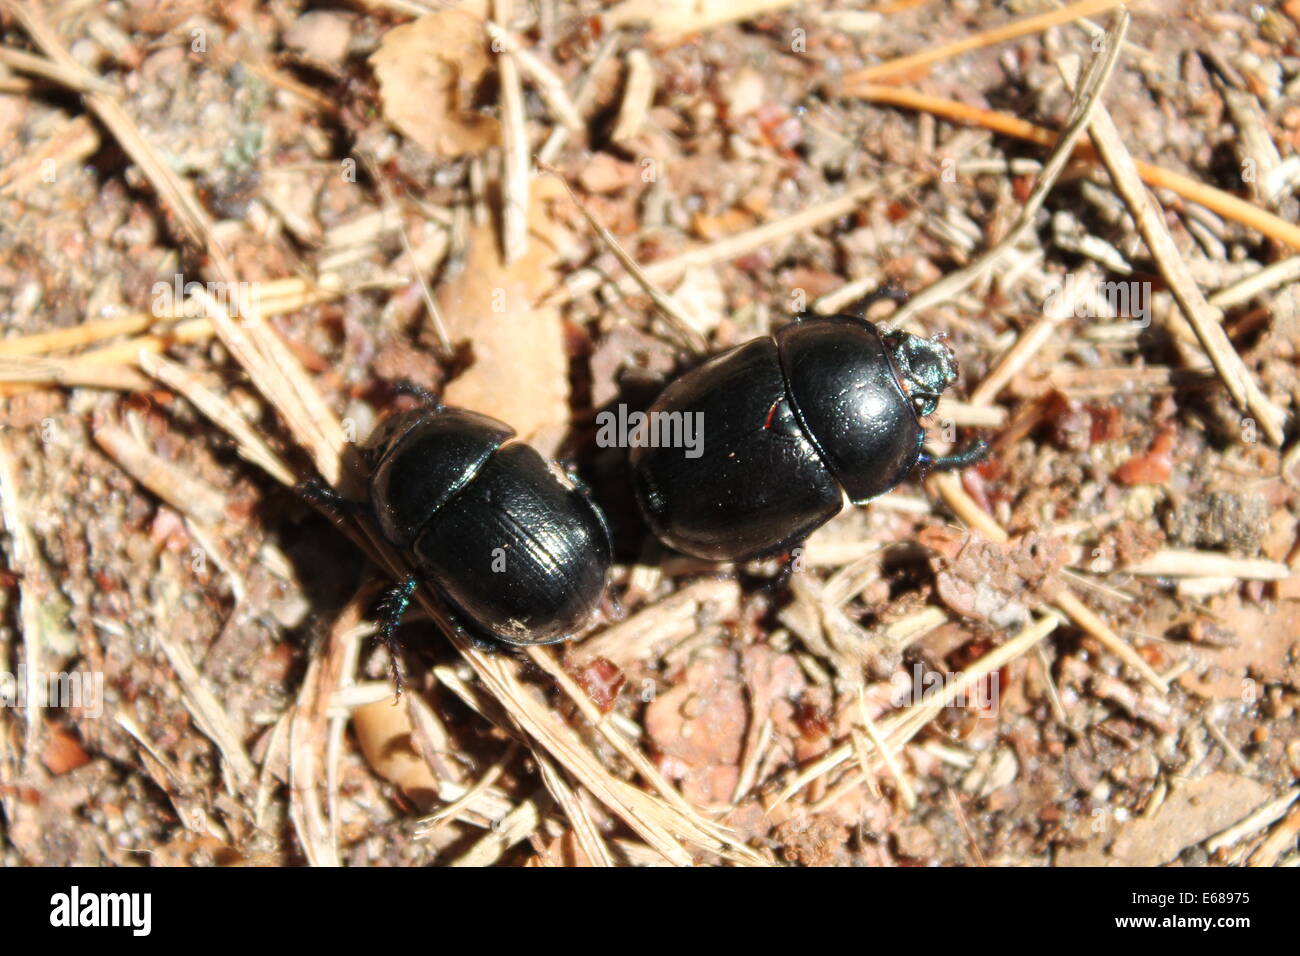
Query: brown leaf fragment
{"points": [[520, 370], [1264, 649], [1151, 468], [386, 738], [427, 72], [1192, 813], [602, 680], [63, 752]]}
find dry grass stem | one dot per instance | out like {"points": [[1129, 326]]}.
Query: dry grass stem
{"points": [[69, 373], [1204, 318], [445, 347], [678, 319], [327, 673], [917, 62], [178, 195], [1039, 333], [74, 79], [76, 142], [1173, 563], [24, 560], [1085, 103], [277, 297], [671, 19], [471, 795], [1281, 839], [895, 769], [515, 162], [730, 247], [548, 84], [586, 832], [208, 713], [186, 493], [901, 727], [950, 488], [515, 826], [1157, 177], [1239, 293], [252, 447], [638, 94], [582, 100]]}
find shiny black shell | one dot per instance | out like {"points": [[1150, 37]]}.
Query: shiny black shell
{"points": [[516, 550], [788, 421]]}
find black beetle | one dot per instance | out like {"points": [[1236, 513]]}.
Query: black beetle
{"points": [[512, 543], [788, 420]]}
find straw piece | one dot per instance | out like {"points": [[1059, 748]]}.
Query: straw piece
{"points": [[1082, 109], [1157, 177], [1173, 563], [1205, 320], [729, 247], [207, 711], [25, 560], [1009, 31], [186, 493], [514, 132], [638, 94], [252, 447], [548, 84], [669, 308]]}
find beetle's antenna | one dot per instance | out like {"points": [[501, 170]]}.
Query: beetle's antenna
{"points": [[972, 454]]}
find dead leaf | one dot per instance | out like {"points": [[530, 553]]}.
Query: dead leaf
{"points": [[385, 735], [63, 752], [520, 372], [1192, 813], [427, 71], [1265, 649]]}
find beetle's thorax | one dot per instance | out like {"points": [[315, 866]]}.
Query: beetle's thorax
{"points": [[925, 368]]}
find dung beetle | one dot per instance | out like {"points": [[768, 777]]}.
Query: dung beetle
{"points": [[510, 541], [825, 404]]}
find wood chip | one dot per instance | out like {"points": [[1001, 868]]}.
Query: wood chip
{"points": [[638, 94], [173, 484]]}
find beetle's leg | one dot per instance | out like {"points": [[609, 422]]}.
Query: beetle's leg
{"points": [[390, 609], [407, 387], [315, 491], [972, 454]]}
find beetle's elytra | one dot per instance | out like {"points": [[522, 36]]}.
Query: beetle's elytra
{"points": [[518, 552], [789, 420]]}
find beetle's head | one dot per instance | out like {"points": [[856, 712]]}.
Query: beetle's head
{"points": [[925, 367]]}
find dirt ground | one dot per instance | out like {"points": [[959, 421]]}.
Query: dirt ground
{"points": [[1085, 650]]}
